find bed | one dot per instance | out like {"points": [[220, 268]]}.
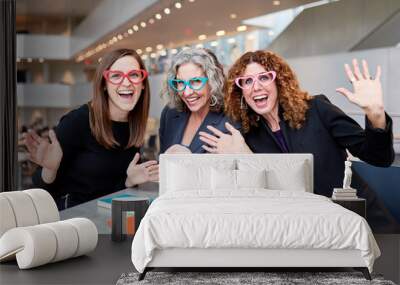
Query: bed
{"points": [[246, 211]]}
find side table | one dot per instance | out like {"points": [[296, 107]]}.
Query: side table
{"points": [[119, 206], [357, 205]]}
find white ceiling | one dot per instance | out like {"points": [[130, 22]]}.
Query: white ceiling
{"points": [[186, 24], [180, 27]]}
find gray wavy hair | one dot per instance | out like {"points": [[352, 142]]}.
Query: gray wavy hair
{"points": [[212, 69]]}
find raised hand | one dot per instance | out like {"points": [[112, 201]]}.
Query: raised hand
{"points": [[42, 152], [141, 173], [224, 143], [367, 92]]}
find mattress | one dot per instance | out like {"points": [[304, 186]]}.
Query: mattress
{"points": [[251, 219]]}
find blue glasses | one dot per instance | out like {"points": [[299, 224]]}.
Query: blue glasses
{"points": [[195, 83]]}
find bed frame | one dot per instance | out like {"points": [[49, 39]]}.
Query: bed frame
{"points": [[245, 259]]}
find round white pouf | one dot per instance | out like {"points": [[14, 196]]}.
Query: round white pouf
{"points": [[46, 208], [7, 218]]}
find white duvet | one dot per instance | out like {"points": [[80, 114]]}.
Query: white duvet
{"points": [[252, 218]]}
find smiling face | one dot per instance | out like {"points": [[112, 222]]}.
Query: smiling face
{"points": [[195, 100], [123, 97], [262, 99]]}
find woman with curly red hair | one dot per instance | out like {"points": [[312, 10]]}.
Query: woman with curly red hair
{"points": [[263, 94]]}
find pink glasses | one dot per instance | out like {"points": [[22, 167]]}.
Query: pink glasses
{"points": [[264, 78], [117, 76]]}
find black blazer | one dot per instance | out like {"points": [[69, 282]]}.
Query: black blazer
{"points": [[327, 132], [173, 123]]}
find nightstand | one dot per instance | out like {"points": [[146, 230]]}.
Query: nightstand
{"points": [[357, 205]]}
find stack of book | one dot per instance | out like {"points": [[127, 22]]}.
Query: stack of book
{"points": [[344, 194]]}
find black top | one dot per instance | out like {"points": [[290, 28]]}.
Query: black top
{"points": [[281, 140], [88, 170], [173, 124], [327, 133]]}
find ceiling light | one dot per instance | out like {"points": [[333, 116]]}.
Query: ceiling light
{"points": [[135, 28], [241, 28], [158, 16], [214, 44], [220, 33], [139, 51], [143, 24], [233, 16], [151, 21], [144, 57], [130, 31], [202, 37], [167, 11], [178, 5], [149, 49], [160, 46], [163, 52], [120, 37], [191, 1], [231, 40], [115, 39], [153, 55], [276, 2]]}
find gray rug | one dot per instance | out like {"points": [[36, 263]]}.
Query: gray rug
{"points": [[228, 278]]}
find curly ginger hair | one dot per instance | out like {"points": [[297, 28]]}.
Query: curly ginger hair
{"points": [[291, 98]]}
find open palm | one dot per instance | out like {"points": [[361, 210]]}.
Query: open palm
{"points": [[367, 92], [220, 142], [42, 152], [143, 172]]}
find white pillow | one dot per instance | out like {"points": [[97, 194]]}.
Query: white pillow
{"points": [[223, 179], [290, 180], [280, 174], [184, 175], [251, 178]]}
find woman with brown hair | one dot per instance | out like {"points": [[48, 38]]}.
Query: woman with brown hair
{"points": [[94, 150], [263, 94]]}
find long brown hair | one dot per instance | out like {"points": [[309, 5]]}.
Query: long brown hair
{"points": [[99, 115], [291, 98]]}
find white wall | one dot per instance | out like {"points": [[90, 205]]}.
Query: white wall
{"points": [[333, 28], [53, 95], [323, 74], [43, 46], [156, 102]]}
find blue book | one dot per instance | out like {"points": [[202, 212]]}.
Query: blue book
{"points": [[106, 202]]}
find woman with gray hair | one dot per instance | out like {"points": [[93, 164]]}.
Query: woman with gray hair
{"points": [[194, 86]]}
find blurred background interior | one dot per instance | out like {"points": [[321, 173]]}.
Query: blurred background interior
{"points": [[60, 42]]}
